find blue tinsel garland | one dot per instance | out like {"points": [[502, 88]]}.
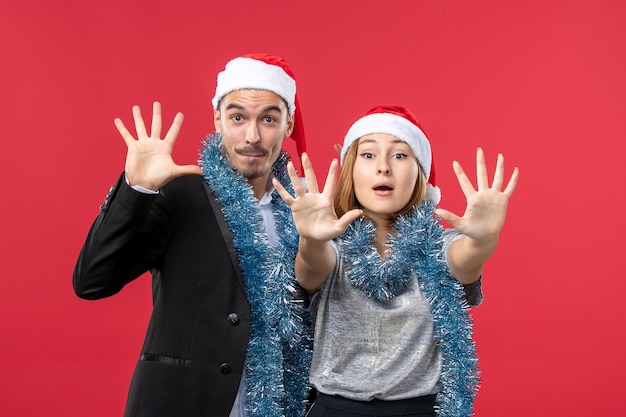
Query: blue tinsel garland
{"points": [[416, 246], [279, 354]]}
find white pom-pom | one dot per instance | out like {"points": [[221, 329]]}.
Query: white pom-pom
{"points": [[433, 193]]}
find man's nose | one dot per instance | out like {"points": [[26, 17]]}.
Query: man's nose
{"points": [[252, 134]]}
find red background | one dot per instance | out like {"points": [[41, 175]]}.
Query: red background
{"points": [[541, 81]]}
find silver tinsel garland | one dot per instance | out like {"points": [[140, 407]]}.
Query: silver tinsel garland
{"points": [[279, 347], [416, 245]]}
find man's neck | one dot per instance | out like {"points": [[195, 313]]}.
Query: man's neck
{"points": [[259, 185]]}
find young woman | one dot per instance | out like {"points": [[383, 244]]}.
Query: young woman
{"points": [[392, 287]]}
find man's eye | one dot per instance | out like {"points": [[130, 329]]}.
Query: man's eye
{"points": [[237, 118], [269, 119]]}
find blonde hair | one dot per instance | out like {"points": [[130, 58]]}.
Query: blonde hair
{"points": [[345, 197]]}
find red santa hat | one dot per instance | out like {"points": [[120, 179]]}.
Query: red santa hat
{"points": [[263, 72], [398, 121]]}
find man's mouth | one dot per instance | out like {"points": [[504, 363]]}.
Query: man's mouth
{"points": [[252, 152]]}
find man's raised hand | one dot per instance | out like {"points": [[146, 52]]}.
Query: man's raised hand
{"points": [[149, 162]]}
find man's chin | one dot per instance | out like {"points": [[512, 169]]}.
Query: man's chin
{"points": [[251, 172], [252, 175], [252, 168]]}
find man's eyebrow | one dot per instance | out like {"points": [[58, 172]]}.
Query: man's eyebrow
{"points": [[272, 108], [234, 106], [265, 110]]}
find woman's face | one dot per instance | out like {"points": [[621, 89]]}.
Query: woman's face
{"points": [[384, 175]]}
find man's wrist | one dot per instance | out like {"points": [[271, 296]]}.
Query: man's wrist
{"points": [[139, 188]]}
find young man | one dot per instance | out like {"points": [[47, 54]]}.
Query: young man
{"points": [[227, 336]]}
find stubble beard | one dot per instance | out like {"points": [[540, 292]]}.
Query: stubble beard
{"points": [[249, 171], [252, 173]]}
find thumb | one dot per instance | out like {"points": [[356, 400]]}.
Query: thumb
{"points": [[348, 218], [447, 216], [188, 170]]}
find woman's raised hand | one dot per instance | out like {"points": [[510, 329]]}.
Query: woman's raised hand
{"points": [[313, 211], [486, 205]]}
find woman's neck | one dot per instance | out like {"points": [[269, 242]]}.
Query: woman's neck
{"points": [[383, 228]]}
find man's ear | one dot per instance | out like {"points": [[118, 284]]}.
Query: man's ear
{"points": [[291, 120], [217, 117]]}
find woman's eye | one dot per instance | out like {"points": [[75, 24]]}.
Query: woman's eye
{"points": [[367, 155], [400, 155]]}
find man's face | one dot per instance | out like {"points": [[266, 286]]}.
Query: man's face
{"points": [[253, 124]]}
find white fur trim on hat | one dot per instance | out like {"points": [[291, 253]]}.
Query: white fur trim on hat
{"points": [[392, 125], [243, 73]]}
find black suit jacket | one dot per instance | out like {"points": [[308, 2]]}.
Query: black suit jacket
{"points": [[194, 350]]}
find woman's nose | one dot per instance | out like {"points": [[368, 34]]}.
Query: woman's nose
{"points": [[383, 168]]}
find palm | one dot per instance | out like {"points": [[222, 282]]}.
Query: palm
{"points": [[314, 216], [149, 160], [486, 206], [313, 211]]}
